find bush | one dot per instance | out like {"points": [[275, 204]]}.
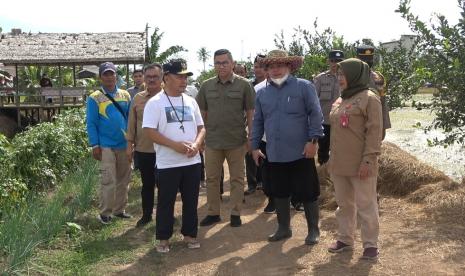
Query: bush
{"points": [[37, 158]]}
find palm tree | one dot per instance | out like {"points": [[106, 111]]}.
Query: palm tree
{"points": [[154, 48], [203, 56]]}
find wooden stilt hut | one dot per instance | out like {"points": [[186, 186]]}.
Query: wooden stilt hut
{"points": [[62, 50]]}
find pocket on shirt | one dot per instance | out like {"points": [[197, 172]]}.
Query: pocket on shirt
{"points": [[213, 97], [235, 100], [295, 105], [325, 95]]}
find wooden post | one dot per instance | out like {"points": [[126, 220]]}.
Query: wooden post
{"points": [[127, 75], [74, 75], [17, 98], [74, 81], [61, 86]]}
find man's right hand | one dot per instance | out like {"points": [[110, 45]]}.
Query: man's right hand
{"points": [[256, 155], [181, 147], [97, 153]]}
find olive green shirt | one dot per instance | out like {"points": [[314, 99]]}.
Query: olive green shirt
{"points": [[226, 105]]}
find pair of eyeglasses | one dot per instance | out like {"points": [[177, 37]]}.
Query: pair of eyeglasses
{"points": [[335, 60], [152, 77], [221, 64]]}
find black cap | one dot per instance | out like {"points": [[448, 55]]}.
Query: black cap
{"points": [[336, 54], [177, 67], [365, 50]]}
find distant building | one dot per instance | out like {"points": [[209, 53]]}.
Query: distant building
{"points": [[405, 41]]}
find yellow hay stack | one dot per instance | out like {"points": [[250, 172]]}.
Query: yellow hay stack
{"points": [[403, 175]]}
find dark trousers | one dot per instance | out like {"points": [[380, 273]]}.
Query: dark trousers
{"points": [[250, 171], [146, 165], [185, 179], [262, 173], [202, 167], [298, 179], [323, 145]]}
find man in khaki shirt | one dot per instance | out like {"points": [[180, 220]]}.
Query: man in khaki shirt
{"points": [[226, 103], [139, 144], [377, 82], [327, 88]]}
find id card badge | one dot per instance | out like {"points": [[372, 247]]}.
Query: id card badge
{"points": [[344, 119]]}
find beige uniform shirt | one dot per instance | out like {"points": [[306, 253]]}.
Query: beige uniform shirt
{"points": [[226, 105], [327, 89], [135, 133], [360, 140]]}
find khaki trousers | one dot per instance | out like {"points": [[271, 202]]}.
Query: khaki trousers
{"points": [[356, 198], [214, 160], [115, 172]]}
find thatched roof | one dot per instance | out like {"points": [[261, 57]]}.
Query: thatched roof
{"points": [[72, 48]]}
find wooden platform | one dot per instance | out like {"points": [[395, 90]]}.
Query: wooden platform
{"points": [[43, 105]]}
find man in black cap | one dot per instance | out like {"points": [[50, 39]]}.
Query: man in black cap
{"points": [[377, 82], [327, 88], [173, 122]]}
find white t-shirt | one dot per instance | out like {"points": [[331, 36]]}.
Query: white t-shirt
{"points": [[160, 115]]}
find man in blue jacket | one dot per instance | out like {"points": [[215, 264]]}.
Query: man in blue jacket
{"points": [[288, 111], [107, 114]]}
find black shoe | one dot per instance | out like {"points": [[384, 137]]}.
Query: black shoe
{"points": [[210, 220], [143, 221], [236, 221], [270, 209], [249, 191], [123, 215], [104, 219]]}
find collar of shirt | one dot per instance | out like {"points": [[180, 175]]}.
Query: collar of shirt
{"points": [[146, 94], [110, 92], [230, 80]]}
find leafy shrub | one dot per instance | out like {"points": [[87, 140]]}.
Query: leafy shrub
{"points": [[37, 158], [12, 190]]}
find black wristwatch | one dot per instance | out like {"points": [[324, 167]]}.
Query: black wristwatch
{"points": [[313, 140]]}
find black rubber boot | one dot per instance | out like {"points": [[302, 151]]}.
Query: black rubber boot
{"points": [[284, 220], [312, 215]]}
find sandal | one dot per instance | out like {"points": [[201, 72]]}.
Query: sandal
{"points": [[192, 243], [163, 248]]}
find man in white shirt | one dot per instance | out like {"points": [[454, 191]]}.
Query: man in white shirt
{"points": [[174, 123]]}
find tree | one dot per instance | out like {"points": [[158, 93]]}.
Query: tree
{"points": [[442, 47], [154, 55], [203, 55], [314, 46], [205, 75]]}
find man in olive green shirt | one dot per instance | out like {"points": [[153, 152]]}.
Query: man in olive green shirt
{"points": [[227, 104]]}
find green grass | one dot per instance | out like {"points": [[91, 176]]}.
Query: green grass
{"points": [[98, 249], [44, 217]]}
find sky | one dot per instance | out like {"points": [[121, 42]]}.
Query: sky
{"points": [[245, 27]]}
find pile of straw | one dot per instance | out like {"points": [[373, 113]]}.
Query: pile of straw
{"points": [[403, 175]]}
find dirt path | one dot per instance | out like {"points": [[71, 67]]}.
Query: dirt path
{"points": [[410, 242]]}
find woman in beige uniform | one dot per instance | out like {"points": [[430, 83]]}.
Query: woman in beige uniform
{"points": [[356, 131]]}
